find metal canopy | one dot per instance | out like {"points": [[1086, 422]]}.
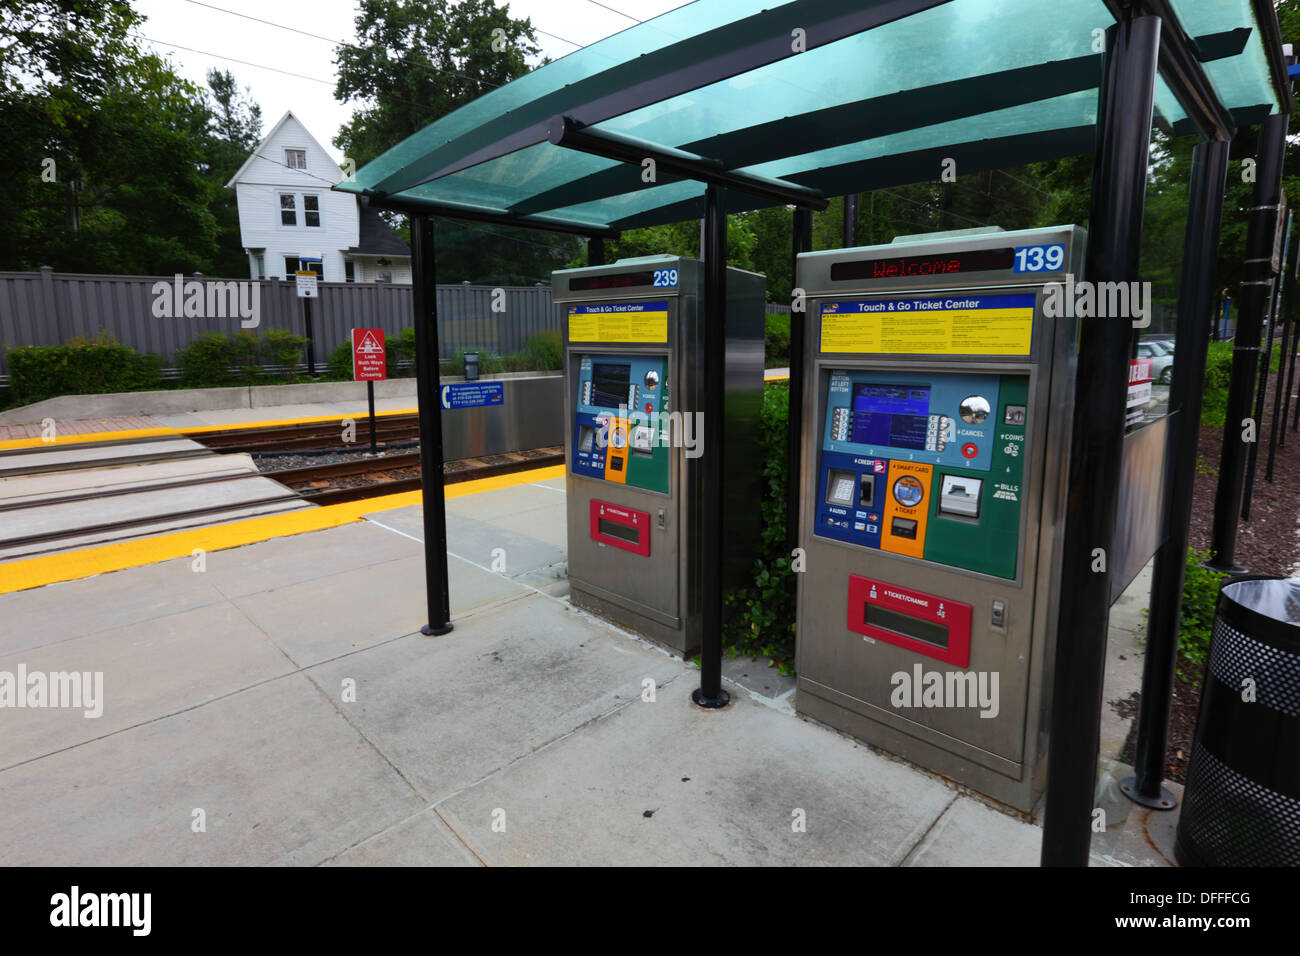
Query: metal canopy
{"points": [[821, 96]]}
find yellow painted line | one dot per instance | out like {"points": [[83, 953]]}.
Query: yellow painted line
{"points": [[80, 438], [117, 556], [768, 377], [479, 485]]}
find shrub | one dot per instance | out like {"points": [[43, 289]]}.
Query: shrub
{"points": [[762, 618], [545, 350], [776, 349], [1200, 595], [205, 362], [284, 349], [216, 359], [81, 367]]}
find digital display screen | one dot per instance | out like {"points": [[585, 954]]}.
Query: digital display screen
{"points": [[892, 415], [618, 280], [905, 624], [609, 384], [951, 263]]}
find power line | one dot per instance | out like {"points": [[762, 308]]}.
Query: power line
{"points": [[612, 10]]}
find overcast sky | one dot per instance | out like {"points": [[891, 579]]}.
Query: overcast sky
{"points": [[197, 37]]}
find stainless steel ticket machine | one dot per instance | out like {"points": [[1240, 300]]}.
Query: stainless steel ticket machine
{"points": [[937, 413], [634, 401]]}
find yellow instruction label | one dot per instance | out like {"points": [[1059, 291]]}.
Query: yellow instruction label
{"points": [[615, 323], [983, 325]]}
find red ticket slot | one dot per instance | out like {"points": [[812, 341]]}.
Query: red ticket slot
{"points": [[925, 623], [620, 527]]}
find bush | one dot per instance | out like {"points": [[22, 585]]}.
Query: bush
{"points": [[81, 367], [545, 350], [1200, 595], [216, 359], [776, 350], [762, 619], [1218, 373]]}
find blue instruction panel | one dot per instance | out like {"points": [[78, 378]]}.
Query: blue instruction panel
{"points": [[473, 394]]}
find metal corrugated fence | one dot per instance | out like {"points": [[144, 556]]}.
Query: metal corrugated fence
{"points": [[49, 308]]}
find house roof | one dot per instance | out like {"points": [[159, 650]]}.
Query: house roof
{"points": [[257, 152], [376, 237], [872, 93]]}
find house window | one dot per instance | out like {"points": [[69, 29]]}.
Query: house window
{"points": [[349, 271], [384, 277], [259, 268], [295, 158], [288, 211], [290, 266], [311, 210]]}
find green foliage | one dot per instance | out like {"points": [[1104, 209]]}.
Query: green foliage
{"points": [[215, 359], [117, 164], [1218, 374], [776, 348], [79, 368], [1218, 370], [762, 614], [1200, 596], [545, 351]]}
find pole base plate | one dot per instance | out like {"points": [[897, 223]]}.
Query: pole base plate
{"points": [[1165, 801], [710, 703], [430, 631]]}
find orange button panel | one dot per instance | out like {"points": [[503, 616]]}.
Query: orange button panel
{"points": [[907, 499]]}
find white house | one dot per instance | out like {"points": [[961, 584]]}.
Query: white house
{"points": [[287, 211]]}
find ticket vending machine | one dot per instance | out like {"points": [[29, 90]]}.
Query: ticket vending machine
{"points": [[634, 407], [937, 413]]}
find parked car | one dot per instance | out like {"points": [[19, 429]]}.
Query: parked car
{"points": [[1162, 360]]}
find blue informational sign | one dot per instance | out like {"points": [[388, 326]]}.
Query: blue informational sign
{"points": [[473, 394]]}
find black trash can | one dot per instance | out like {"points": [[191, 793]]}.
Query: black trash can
{"points": [[1241, 806]]}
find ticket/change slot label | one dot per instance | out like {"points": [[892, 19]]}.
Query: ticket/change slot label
{"points": [[952, 324]]}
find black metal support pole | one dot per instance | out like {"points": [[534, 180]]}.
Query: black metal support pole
{"points": [[1282, 315], [1196, 308], [1260, 226], [710, 693], [424, 295], [802, 233], [311, 344], [1252, 457], [1124, 112], [370, 398], [1291, 363], [595, 251], [850, 220]]}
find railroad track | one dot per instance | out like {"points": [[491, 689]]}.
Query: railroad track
{"points": [[313, 436]]}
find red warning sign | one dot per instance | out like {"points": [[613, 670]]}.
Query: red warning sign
{"points": [[368, 355]]}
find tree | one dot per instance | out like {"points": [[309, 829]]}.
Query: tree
{"points": [[415, 61], [234, 130], [103, 146]]}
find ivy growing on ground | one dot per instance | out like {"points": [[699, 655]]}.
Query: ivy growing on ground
{"points": [[761, 618]]}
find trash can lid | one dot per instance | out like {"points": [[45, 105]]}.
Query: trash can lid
{"points": [[1276, 598]]}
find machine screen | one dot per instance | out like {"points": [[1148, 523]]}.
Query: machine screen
{"points": [[609, 384], [893, 415]]}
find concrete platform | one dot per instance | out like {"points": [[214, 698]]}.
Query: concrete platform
{"points": [[281, 707], [163, 489]]}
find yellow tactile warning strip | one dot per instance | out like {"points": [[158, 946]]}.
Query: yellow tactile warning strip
{"points": [[71, 565], [83, 437]]}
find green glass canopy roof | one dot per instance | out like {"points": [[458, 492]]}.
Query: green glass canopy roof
{"points": [[881, 93]]}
